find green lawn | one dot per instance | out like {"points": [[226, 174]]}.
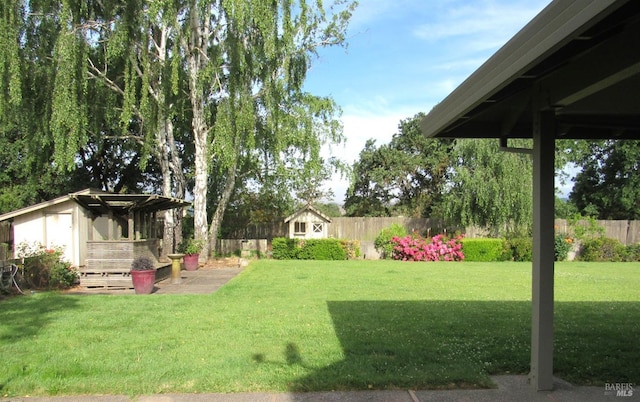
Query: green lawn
{"points": [[289, 325]]}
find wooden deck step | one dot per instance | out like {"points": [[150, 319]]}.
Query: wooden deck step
{"points": [[116, 278]]}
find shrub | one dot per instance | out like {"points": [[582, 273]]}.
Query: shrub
{"points": [[62, 275], [314, 249], [190, 246], [44, 267], [383, 242], [321, 249], [416, 248], [562, 246], [482, 249], [351, 248], [283, 248], [507, 251], [633, 252], [602, 249], [521, 248]]}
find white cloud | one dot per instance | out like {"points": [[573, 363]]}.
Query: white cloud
{"points": [[423, 50], [492, 22]]}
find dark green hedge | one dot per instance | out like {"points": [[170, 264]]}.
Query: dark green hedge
{"points": [[284, 248], [314, 249], [482, 249]]}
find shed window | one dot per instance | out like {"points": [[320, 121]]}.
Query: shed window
{"points": [[300, 227], [317, 227]]}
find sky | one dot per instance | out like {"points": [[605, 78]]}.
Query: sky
{"points": [[405, 56]]}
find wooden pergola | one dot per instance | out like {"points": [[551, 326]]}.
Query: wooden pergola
{"points": [[573, 72]]}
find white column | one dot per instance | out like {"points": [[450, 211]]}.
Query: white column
{"points": [[541, 375]]}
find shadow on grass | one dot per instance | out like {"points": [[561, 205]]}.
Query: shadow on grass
{"points": [[25, 316], [458, 344]]}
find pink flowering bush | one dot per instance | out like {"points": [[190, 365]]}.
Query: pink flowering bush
{"points": [[438, 248]]}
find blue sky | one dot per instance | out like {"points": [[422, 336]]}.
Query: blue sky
{"points": [[405, 56]]}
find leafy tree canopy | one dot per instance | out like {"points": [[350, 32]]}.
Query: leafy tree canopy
{"points": [[406, 176], [608, 185]]}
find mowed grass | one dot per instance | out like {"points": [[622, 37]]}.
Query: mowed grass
{"points": [[303, 326]]}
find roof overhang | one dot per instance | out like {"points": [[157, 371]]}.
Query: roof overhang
{"points": [[311, 209], [577, 58], [100, 202]]}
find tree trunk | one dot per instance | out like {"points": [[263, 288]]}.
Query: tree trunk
{"points": [[218, 215], [163, 161], [195, 46]]}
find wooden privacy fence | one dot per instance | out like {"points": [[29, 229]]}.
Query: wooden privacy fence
{"points": [[368, 228]]}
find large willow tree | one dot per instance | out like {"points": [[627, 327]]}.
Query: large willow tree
{"points": [[490, 188], [220, 77]]}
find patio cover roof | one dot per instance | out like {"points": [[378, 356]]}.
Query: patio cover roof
{"points": [[577, 58], [572, 72], [100, 202]]}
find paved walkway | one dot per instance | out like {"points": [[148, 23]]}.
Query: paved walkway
{"points": [[206, 279], [510, 389]]}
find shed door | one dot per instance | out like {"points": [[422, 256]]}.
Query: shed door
{"points": [[59, 232]]}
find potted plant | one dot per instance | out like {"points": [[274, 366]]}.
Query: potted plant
{"points": [[191, 249], [143, 275]]}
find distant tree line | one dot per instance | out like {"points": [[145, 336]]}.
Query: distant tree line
{"points": [[472, 182]]}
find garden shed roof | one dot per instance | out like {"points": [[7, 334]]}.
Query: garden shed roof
{"points": [[310, 208], [100, 202]]}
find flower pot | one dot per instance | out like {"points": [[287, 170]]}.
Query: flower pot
{"points": [[191, 262], [143, 281]]}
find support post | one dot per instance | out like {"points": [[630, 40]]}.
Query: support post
{"points": [[541, 375]]}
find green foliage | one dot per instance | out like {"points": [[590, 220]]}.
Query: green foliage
{"points": [[321, 249], [190, 246], [331, 209], [406, 176], [564, 209], [519, 249], [585, 227], [490, 188], [633, 252], [44, 267], [314, 249], [284, 248], [482, 249], [602, 249], [562, 245], [62, 275], [69, 103], [383, 242], [608, 185]]}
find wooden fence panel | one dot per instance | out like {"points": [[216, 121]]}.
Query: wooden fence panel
{"points": [[366, 229]]}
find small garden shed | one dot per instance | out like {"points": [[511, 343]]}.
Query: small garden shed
{"points": [[100, 232], [308, 223]]}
